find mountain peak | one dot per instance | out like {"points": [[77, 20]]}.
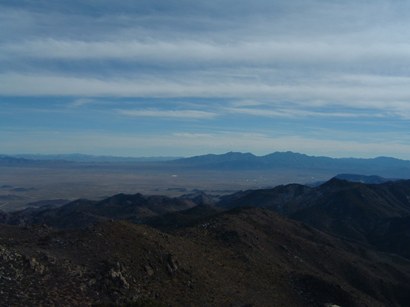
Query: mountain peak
{"points": [[336, 182]]}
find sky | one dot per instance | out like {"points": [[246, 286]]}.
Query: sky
{"points": [[183, 78]]}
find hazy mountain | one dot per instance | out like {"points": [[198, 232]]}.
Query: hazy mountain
{"points": [[18, 161], [9, 160], [91, 158], [231, 161], [382, 166]]}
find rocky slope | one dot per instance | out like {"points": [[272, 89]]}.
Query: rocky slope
{"points": [[193, 252], [376, 214], [245, 257]]}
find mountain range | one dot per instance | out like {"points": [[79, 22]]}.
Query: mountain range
{"points": [[384, 166], [76, 157], [234, 161], [340, 243]]}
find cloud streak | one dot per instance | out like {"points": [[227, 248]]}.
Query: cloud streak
{"points": [[355, 93], [172, 114], [292, 67], [263, 52]]}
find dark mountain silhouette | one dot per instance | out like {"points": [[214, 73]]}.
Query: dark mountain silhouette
{"points": [[245, 257], [372, 179], [82, 213], [201, 198], [366, 213], [368, 179], [284, 199], [185, 218]]}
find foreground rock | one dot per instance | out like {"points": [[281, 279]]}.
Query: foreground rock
{"points": [[245, 257]]}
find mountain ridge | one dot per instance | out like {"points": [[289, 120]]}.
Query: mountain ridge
{"points": [[382, 166], [292, 162], [342, 243], [354, 210]]}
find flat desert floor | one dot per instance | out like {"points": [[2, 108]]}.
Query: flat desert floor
{"points": [[20, 186]]}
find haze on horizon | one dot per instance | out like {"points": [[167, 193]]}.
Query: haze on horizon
{"points": [[181, 78]]}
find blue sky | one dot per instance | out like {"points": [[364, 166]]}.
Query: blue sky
{"points": [[167, 78]]}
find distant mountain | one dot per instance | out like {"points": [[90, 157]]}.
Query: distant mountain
{"points": [[383, 166], [91, 158], [13, 161], [232, 161], [18, 161], [228, 160]]}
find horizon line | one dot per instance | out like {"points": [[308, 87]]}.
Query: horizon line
{"points": [[192, 156]]}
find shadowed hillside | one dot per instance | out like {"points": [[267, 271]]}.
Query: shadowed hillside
{"points": [[243, 257], [369, 213], [82, 213]]}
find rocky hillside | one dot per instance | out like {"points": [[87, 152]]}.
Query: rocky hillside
{"points": [[245, 257], [376, 214], [291, 245]]}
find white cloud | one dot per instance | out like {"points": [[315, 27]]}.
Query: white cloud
{"points": [[176, 114], [295, 113], [280, 59], [390, 99], [265, 51], [81, 102]]}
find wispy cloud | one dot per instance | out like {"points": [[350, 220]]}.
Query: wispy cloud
{"points": [[294, 113], [173, 114], [392, 98], [209, 65], [261, 52], [81, 102]]}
